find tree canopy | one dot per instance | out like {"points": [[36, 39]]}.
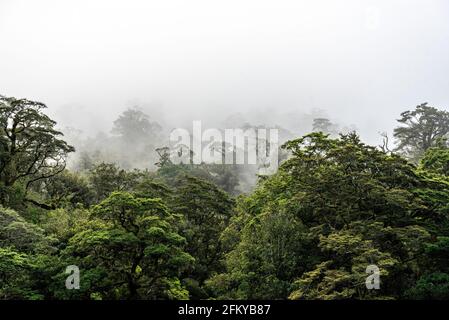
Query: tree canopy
{"points": [[421, 129], [334, 210], [31, 148]]}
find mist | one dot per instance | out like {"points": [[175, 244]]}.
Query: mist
{"points": [[274, 62], [264, 151]]}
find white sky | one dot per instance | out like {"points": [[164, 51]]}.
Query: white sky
{"points": [[362, 61]]}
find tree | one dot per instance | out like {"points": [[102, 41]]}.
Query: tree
{"points": [[164, 157], [66, 188], [433, 170], [137, 139], [206, 210], [223, 175], [14, 276], [322, 125], [133, 126], [263, 254], [63, 223], [436, 159], [30, 147], [434, 286], [108, 177], [334, 207], [24, 236], [423, 127], [131, 250], [24, 258]]}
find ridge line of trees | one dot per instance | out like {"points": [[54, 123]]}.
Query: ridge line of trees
{"points": [[335, 206]]}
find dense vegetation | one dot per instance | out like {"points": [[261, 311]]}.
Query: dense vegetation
{"points": [[335, 206]]}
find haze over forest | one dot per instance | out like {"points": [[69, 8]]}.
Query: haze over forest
{"points": [[275, 63], [352, 202]]}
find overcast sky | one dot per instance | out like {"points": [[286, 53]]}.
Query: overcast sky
{"points": [[362, 61]]}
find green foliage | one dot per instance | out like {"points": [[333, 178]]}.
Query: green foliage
{"points": [[423, 127], [436, 159], [206, 210], [16, 232], [224, 176], [434, 286], [343, 276], [67, 189], [323, 125], [63, 224], [133, 125], [30, 147], [14, 275], [335, 207], [131, 250], [108, 177], [23, 250]]}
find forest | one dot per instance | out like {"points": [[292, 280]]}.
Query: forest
{"points": [[185, 231]]}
